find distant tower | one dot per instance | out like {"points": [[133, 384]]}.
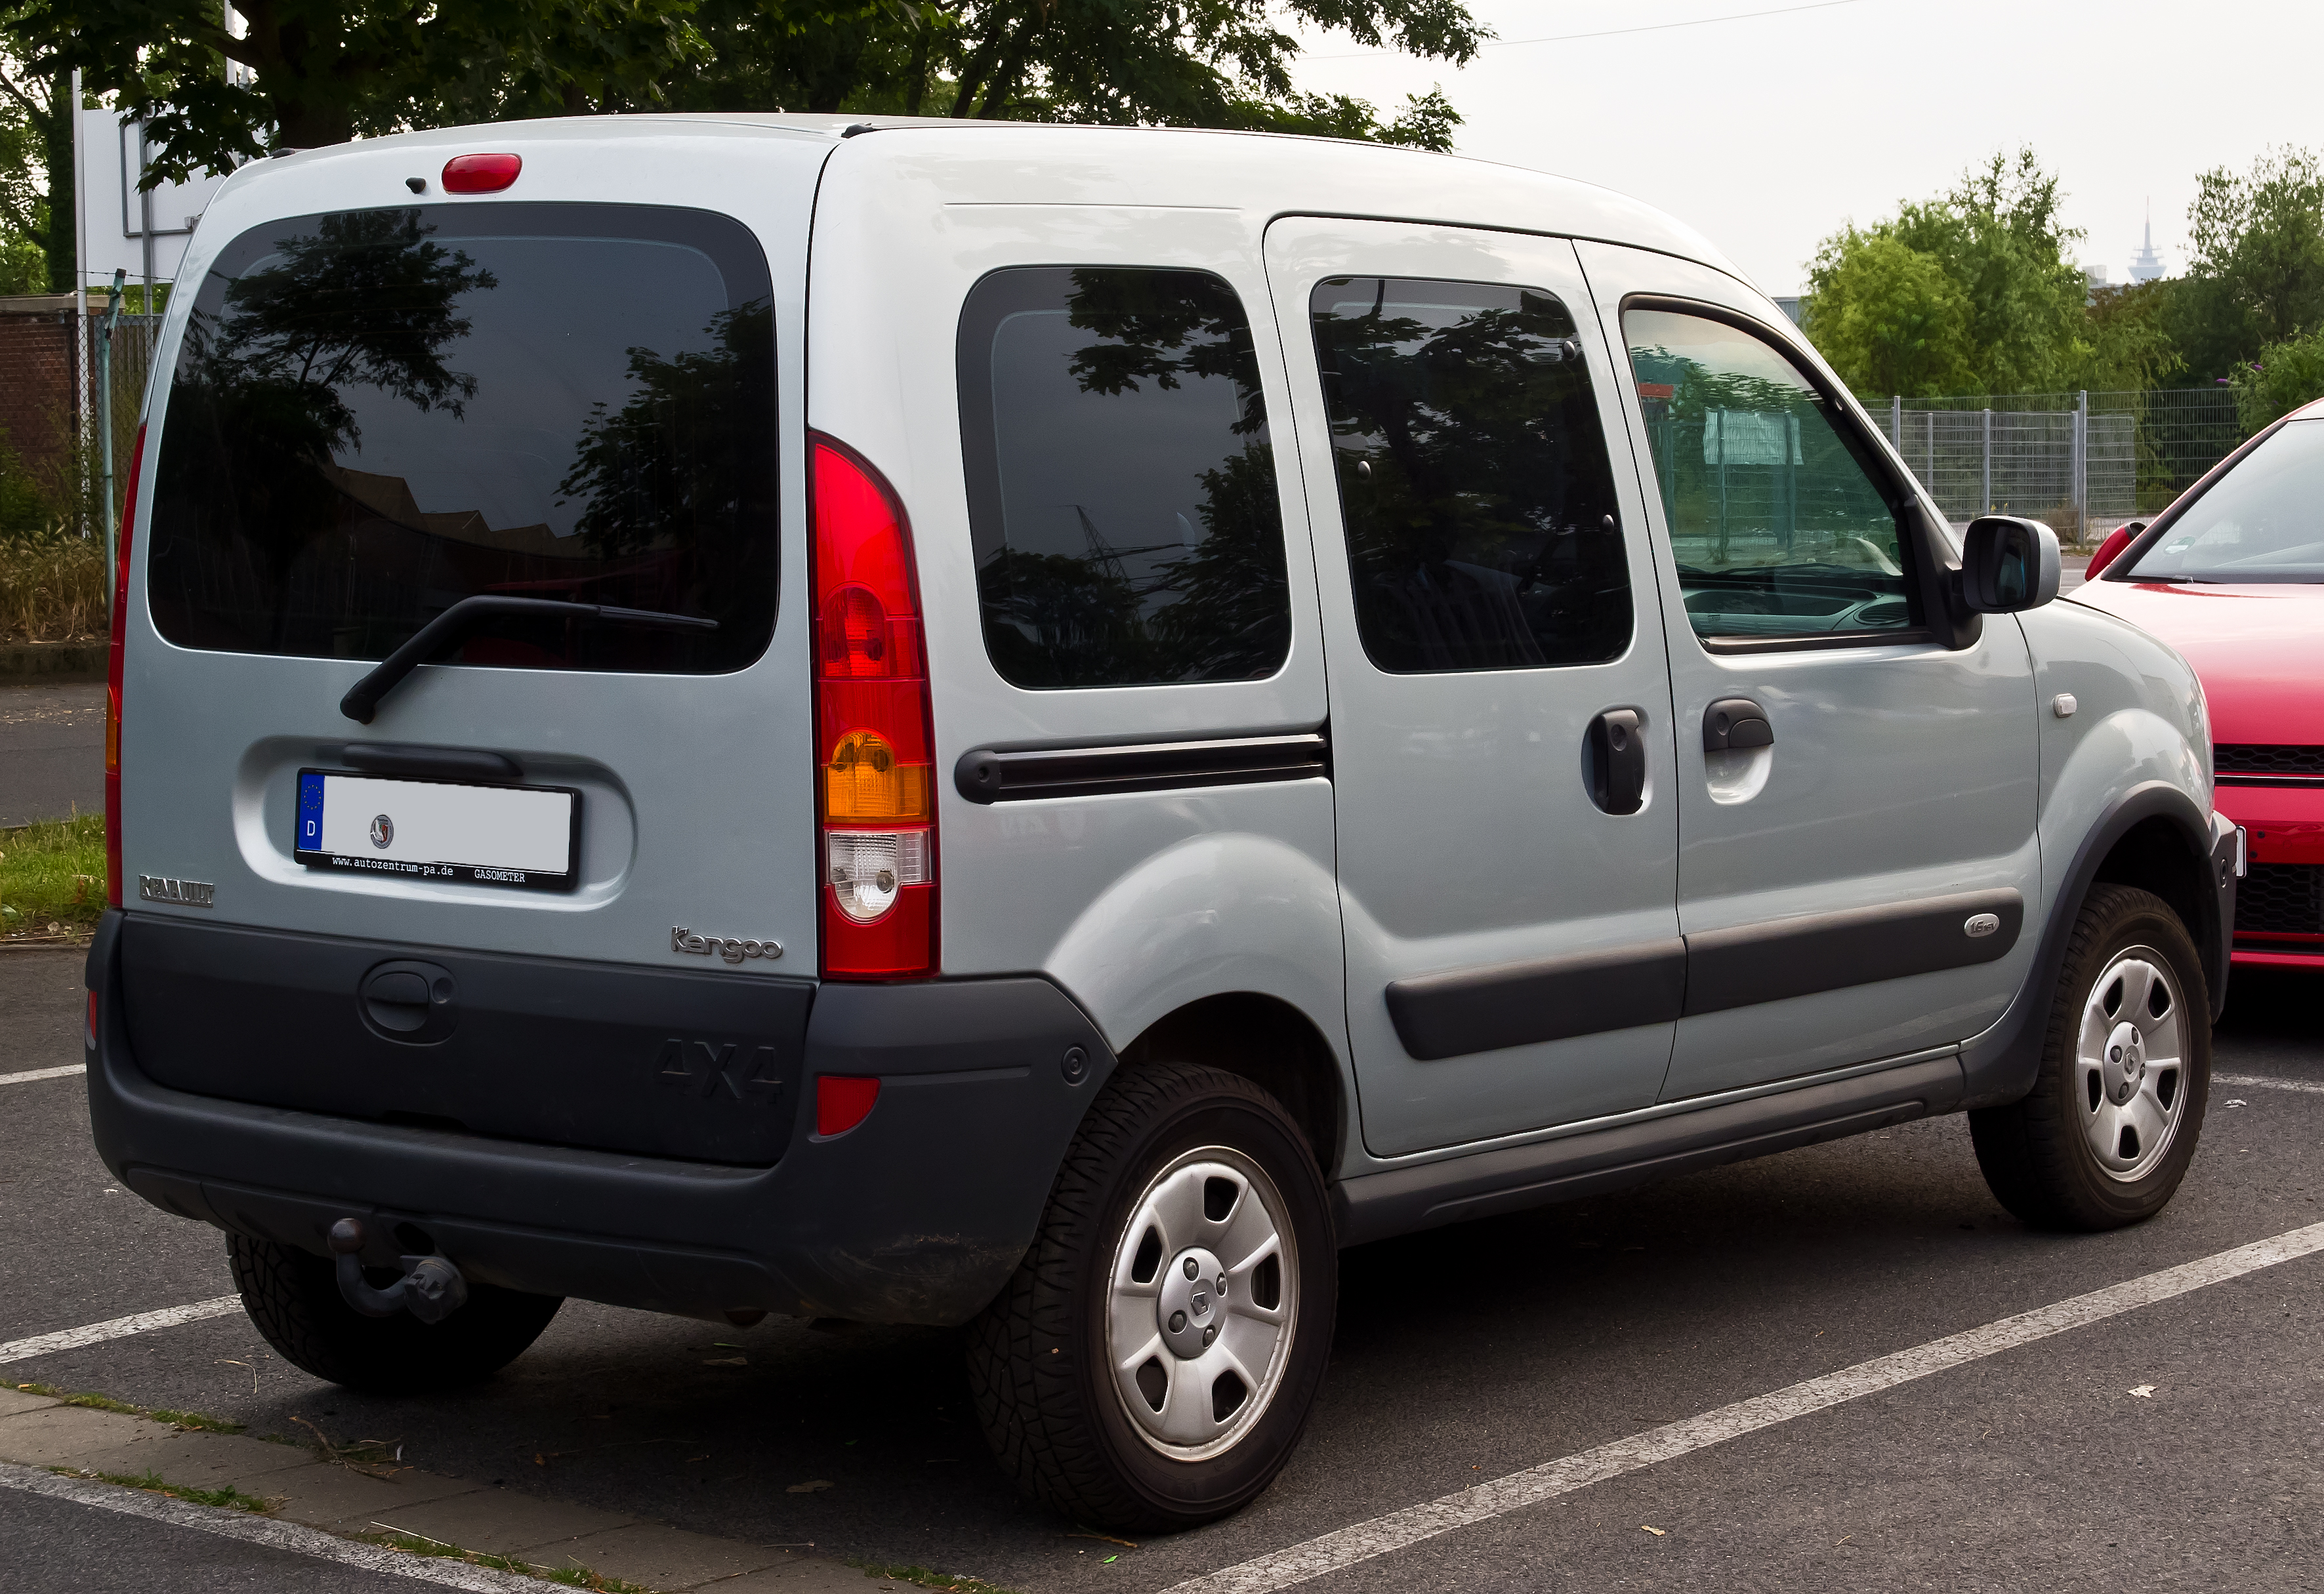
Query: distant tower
{"points": [[2147, 264]]}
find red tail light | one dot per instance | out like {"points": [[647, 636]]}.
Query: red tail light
{"points": [[112, 678], [481, 174], [876, 790]]}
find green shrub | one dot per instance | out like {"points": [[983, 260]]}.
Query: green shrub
{"points": [[2285, 376]]}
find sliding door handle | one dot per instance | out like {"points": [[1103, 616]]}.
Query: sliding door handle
{"points": [[1617, 761], [1735, 724]]}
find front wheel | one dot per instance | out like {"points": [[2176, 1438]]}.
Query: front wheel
{"points": [[2110, 1126], [1151, 1364]]}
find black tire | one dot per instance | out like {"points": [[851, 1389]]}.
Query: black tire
{"points": [[293, 1297], [1038, 1356], [2037, 1154]]}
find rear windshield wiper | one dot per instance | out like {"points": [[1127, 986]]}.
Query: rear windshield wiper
{"points": [[453, 627]]}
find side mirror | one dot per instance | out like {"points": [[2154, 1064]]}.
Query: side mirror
{"points": [[2008, 565], [2118, 540]]}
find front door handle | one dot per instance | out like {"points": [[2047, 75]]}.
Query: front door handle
{"points": [[1735, 724], [1617, 761]]}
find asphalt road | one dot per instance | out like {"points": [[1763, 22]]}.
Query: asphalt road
{"points": [[56, 1545], [53, 747], [1461, 1356]]}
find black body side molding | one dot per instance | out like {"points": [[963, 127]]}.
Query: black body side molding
{"points": [[1546, 999], [987, 775], [1830, 951], [1465, 1010]]}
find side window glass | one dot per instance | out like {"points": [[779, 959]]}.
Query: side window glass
{"points": [[1779, 521], [1473, 476], [1121, 487]]}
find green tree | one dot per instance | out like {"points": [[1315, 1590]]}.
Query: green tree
{"points": [[36, 146], [2255, 275], [1889, 319], [1206, 63], [2130, 333], [322, 71], [1998, 240]]}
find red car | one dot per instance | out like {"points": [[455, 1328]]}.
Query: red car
{"points": [[2232, 575]]}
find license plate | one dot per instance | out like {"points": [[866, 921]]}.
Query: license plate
{"points": [[523, 837]]}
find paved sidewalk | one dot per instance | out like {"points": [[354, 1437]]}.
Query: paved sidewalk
{"points": [[375, 1501]]}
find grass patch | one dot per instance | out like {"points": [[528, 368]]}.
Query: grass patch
{"points": [[52, 874], [571, 1577], [930, 1579], [95, 1401], [201, 1420], [231, 1497]]}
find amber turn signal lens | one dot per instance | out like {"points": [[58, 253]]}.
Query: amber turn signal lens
{"points": [[864, 781]]}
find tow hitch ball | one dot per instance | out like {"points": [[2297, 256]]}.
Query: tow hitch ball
{"points": [[431, 1289]]}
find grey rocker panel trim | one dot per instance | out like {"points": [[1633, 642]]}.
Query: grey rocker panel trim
{"points": [[1545, 999], [1375, 1206], [1466, 1011]]}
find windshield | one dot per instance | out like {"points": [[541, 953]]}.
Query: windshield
{"points": [[378, 413], [2264, 520]]}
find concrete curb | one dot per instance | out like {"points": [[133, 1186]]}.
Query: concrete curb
{"points": [[54, 661], [37, 1430]]}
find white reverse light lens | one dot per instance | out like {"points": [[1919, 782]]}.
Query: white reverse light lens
{"points": [[867, 867]]}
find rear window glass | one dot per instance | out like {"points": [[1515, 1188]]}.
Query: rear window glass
{"points": [[1122, 485], [377, 413]]}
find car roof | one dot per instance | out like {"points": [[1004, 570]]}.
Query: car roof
{"points": [[1000, 162]]}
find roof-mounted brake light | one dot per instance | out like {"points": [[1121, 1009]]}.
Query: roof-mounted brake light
{"points": [[481, 174]]}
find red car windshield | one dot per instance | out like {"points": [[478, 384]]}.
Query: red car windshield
{"points": [[2264, 520]]}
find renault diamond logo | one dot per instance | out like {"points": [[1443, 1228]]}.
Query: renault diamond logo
{"points": [[383, 830]]}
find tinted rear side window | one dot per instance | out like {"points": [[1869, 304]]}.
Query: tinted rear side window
{"points": [[1121, 486], [1473, 476], [377, 413]]}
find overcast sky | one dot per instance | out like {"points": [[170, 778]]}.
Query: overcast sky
{"points": [[1768, 131]]}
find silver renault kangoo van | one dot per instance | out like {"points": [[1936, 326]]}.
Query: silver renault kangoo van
{"points": [[1036, 728]]}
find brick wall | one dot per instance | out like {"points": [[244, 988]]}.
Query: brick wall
{"points": [[36, 379]]}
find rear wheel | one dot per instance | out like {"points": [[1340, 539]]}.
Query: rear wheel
{"points": [[2110, 1126], [293, 1296], [1152, 1363]]}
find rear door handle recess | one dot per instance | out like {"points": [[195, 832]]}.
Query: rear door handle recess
{"points": [[1617, 761], [1734, 724]]}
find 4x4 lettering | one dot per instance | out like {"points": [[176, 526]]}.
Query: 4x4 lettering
{"points": [[698, 1069]]}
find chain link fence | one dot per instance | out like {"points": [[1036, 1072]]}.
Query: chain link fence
{"points": [[2082, 462]]}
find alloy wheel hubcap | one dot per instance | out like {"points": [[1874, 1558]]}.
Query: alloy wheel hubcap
{"points": [[2130, 1058], [1202, 1302]]}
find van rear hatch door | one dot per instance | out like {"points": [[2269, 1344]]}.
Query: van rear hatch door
{"points": [[560, 423]]}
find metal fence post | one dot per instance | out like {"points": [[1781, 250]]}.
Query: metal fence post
{"points": [[2082, 465], [1897, 420], [1987, 496], [105, 427]]}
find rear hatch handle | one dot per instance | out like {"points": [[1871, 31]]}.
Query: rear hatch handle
{"points": [[448, 630]]}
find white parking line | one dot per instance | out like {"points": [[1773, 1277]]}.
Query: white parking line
{"points": [[1336, 1551], [120, 1328], [30, 1074], [2239, 1079], [265, 1530]]}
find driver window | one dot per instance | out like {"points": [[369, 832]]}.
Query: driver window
{"points": [[1777, 519]]}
